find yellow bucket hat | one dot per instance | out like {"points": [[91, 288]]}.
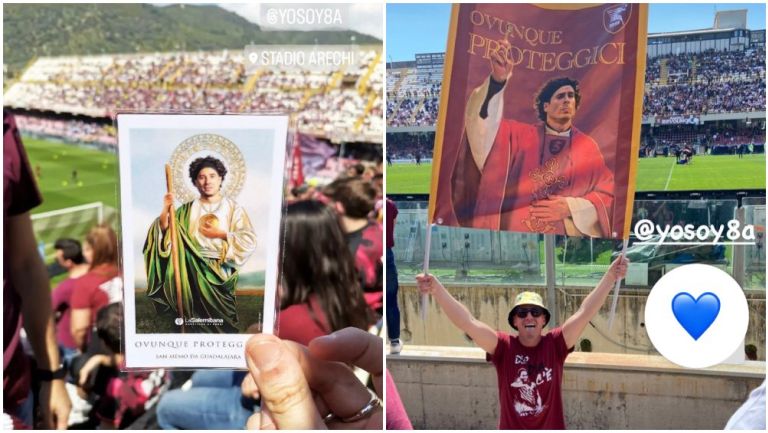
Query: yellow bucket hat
{"points": [[527, 298]]}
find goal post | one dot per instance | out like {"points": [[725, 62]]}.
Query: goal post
{"points": [[72, 222]]}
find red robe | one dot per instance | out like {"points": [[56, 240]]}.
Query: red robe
{"points": [[520, 170]]}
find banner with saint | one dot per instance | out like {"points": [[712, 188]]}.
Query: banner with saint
{"points": [[539, 122], [201, 199]]}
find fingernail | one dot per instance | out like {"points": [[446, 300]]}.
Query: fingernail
{"points": [[265, 355]]}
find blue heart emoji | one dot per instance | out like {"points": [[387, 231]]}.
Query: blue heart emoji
{"points": [[696, 315]]}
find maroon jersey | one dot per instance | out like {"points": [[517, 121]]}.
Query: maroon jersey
{"points": [[530, 382], [20, 194], [367, 246], [302, 323], [92, 290]]}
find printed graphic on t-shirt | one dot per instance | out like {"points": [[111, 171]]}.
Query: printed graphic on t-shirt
{"points": [[113, 289], [528, 399]]}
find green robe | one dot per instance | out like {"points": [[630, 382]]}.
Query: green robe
{"points": [[207, 285]]}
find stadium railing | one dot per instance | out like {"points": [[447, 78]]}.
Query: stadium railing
{"points": [[471, 256]]}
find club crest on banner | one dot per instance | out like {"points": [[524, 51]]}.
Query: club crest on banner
{"points": [[616, 17]]}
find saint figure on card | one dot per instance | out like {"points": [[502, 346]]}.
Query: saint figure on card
{"points": [[214, 238]]}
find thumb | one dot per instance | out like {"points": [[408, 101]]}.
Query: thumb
{"points": [[260, 420], [284, 390]]}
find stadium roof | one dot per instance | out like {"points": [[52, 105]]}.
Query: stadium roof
{"points": [[689, 32], [725, 21]]}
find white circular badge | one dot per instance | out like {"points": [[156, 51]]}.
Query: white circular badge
{"points": [[697, 316]]}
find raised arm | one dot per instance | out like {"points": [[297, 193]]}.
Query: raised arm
{"points": [[574, 326], [482, 334], [484, 108]]}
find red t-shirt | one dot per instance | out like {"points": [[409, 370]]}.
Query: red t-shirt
{"points": [[299, 323], [92, 290], [367, 247], [530, 382], [20, 194], [60, 299]]}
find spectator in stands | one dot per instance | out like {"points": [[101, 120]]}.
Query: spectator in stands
{"points": [[320, 291], [302, 192], [378, 183], [119, 398], [393, 310], [99, 287], [26, 300], [355, 170], [354, 200], [69, 256], [547, 351]]}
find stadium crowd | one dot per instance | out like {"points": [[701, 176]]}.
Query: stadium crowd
{"points": [[707, 65], [413, 98], [725, 138], [101, 86], [413, 112], [705, 98], [72, 130], [410, 146], [710, 82]]}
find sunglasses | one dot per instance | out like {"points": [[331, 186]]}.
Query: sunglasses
{"points": [[523, 312]]}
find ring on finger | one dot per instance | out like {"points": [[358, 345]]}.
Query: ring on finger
{"points": [[366, 410]]}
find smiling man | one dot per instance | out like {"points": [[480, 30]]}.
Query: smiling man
{"points": [[529, 365], [215, 238], [546, 178]]}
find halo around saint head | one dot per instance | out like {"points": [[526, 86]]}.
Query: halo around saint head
{"points": [[200, 146]]}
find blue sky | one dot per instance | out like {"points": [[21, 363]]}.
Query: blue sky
{"points": [[423, 28]]}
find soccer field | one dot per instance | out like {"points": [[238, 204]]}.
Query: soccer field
{"points": [[96, 181], [707, 172], [96, 174], [653, 174]]}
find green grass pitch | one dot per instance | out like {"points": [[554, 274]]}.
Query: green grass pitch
{"points": [[653, 174], [97, 180], [97, 177]]}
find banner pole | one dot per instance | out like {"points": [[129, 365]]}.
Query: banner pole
{"points": [[427, 248], [615, 301]]}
